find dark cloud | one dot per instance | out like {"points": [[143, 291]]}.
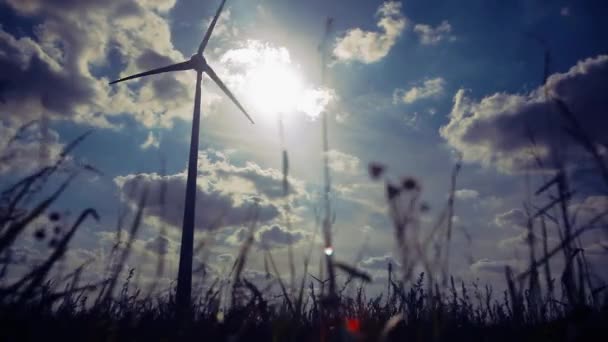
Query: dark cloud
{"points": [[34, 7], [215, 207], [168, 88], [496, 130], [276, 236], [158, 245], [52, 71], [150, 59], [226, 193], [589, 209], [34, 81]]}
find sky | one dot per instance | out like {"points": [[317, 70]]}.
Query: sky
{"points": [[414, 85]]}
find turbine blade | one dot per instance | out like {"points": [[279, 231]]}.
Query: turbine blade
{"points": [[201, 48], [175, 67], [222, 86]]}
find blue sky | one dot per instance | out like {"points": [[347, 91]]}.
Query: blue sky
{"points": [[410, 84]]}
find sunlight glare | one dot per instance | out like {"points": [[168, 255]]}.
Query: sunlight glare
{"points": [[275, 88], [272, 83]]}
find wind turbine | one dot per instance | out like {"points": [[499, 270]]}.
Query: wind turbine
{"points": [[200, 65]]}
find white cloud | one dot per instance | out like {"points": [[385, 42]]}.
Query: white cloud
{"points": [[520, 240], [492, 266], [151, 141], [224, 29], [514, 218], [378, 263], [26, 148], [372, 46], [344, 162], [412, 120], [466, 194], [433, 35], [431, 88]]}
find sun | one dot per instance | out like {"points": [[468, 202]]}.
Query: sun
{"points": [[272, 84], [275, 88]]}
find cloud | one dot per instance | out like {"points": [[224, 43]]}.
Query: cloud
{"points": [[266, 78], [34, 81], [268, 236], [490, 203], [225, 194], [160, 245], [496, 130], [372, 46], [378, 263], [519, 240], [433, 35], [24, 149], [151, 141], [580, 214], [344, 162], [492, 266], [252, 178], [412, 120], [225, 258], [277, 236], [224, 29], [599, 248], [56, 70], [466, 194], [514, 218], [564, 11], [431, 88], [236, 238], [589, 209]]}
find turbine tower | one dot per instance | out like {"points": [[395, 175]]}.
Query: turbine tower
{"points": [[198, 64]]}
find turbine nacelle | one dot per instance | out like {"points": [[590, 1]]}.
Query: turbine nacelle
{"points": [[199, 63]]}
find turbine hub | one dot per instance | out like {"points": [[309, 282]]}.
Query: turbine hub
{"points": [[199, 63]]}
